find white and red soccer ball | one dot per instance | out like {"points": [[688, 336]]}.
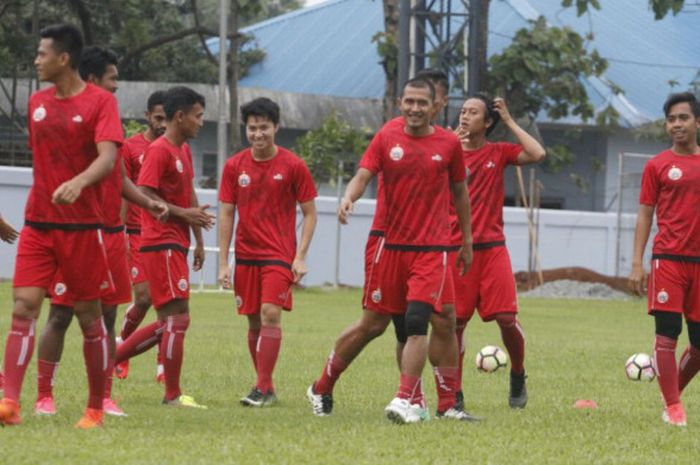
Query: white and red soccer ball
{"points": [[640, 367], [490, 359]]}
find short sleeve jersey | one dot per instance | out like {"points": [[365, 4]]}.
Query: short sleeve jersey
{"points": [[167, 169], [378, 221], [485, 169], [671, 183], [63, 136], [133, 152], [266, 194], [417, 173]]}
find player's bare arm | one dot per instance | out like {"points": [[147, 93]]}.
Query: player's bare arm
{"points": [[638, 277], [460, 193], [69, 191], [133, 194], [308, 210], [198, 255], [227, 215], [356, 187], [533, 152], [193, 216], [7, 232]]}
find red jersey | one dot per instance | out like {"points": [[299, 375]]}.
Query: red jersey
{"points": [[133, 152], [167, 169], [417, 173], [63, 136], [112, 196], [265, 194], [485, 168], [671, 183], [378, 221]]}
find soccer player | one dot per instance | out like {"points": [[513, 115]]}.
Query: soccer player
{"points": [[74, 133], [264, 182], [671, 188], [167, 175], [133, 152], [420, 164], [489, 285], [7, 234]]}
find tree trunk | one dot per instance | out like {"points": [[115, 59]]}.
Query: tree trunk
{"points": [[391, 28], [235, 136]]}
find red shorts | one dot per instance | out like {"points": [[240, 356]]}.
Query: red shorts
{"points": [[675, 287], [402, 276], [255, 285], [137, 273], [168, 275], [79, 255], [115, 243], [488, 286], [374, 245]]}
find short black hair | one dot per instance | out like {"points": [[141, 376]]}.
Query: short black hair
{"points": [[155, 99], [420, 83], [436, 76], [66, 39], [94, 60], [491, 113], [682, 97], [263, 107], [180, 98]]}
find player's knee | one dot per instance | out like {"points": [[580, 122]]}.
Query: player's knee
{"points": [[142, 300], [418, 318], [668, 324], [694, 334], [505, 320], [400, 328], [60, 318], [109, 316], [270, 315]]}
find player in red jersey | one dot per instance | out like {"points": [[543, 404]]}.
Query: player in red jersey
{"points": [[74, 133], [97, 66], [671, 187], [264, 183], [133, 152], [167, 175], [419, 163], [489, 285], [7, 234]]}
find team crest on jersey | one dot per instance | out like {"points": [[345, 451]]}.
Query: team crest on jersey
{"points": [[59, 289], [77, 119], [39, 114], [396, 153], [436, 157], [467, 171], [134, 272], [675, 173], [283, 296], [141, 158], [662, 297], [104, 285], [182, 284], [244, 180], [239, 301], [490, 164], [278, 177], [376, 296], [179, 166]]}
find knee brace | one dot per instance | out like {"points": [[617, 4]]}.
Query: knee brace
{"points": [[668, 324], [400, 328], [694, 334], [418, 318]]}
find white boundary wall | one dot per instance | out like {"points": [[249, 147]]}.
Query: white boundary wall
{"points": [[567, 238]]}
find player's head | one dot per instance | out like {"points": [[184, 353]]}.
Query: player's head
{"points": [[682, 113], [417, 103], [184, 110], [442, 86], [60, 47], [99, 66], [261, 118], [478, 115], [155, 113]]}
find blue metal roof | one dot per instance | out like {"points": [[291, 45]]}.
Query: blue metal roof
{"points": [[328, 49]]}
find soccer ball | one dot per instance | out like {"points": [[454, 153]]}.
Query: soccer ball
{"points": [[640, 367], [490, 359]]}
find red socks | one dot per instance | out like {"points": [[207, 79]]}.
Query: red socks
{"points": [[172, 346], [461, 326], [445, 381], [665, 355], [409, 388], [140, 341], [331, 372], [110, 377], [514, 340], [253, 335], [18, 351], [132, 319], [96, 356], [688, 367], [267, 351], [46, 373]]}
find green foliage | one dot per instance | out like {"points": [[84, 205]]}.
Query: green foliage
{"points": [[558, 157], [133, 127], [389, 52], [663, 7], [579, 181], [608, 119], [581, 5], [324, 147]]}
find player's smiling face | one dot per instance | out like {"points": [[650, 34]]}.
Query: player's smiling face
{"points": [[48, 62], [681, 125], [417, 107], [472, 117], [260, 132]]}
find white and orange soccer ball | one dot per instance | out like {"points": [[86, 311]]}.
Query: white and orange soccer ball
{"points": [[490, 359], [640, 367]]}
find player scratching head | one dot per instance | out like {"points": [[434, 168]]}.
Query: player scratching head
{"points": [[155, 115], [682, 123], [58, 54], [184, 114], [478, 118], [442, 86], [261, 118], [417, 105], [98, 65]]}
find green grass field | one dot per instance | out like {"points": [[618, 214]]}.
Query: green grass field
{"points": [[575, 350]]}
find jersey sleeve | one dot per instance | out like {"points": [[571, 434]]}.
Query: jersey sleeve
{"points": [[227, 189], [304, 186], [509, 152], [125, 154], [649, 193], [456, 167], [153, 168], [372, 158], [109, 125]]}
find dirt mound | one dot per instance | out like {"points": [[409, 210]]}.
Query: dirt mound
{"points": [[526, 281]]}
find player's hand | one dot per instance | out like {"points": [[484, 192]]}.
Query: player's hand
{"points": [[464, 259], [299, 269], [198, 257], [462, 133], [638, 280], [159, 210], [7, 232], [199, 216], [225, 276], [68, 192], [344, 210], [499, 104]]}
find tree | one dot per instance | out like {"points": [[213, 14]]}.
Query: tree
{"points": [[387, 47]]}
